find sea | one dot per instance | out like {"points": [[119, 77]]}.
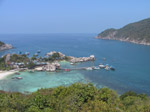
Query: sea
{"points": [[131, 62]]}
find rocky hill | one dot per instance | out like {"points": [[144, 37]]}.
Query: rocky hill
{"points": [[138, 32]]}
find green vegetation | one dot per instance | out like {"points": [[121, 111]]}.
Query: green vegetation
{"points": [[3, 65], [31, 65], [139, 31], [10, 61], [75, 98], [107, 32], [56, 56], [34, 58], [5, 61], [67, 58], [19, 58], [1, 43]]}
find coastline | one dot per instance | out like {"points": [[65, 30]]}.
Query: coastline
{"points": [[4, 74], [126, 40]]}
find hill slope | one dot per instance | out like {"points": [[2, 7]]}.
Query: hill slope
{"points": [[4, 46], [138, 32], [75, 98]]}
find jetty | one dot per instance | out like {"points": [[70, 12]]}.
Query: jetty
{"points": [[80, 68]]}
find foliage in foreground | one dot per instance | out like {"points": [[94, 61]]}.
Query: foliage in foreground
{"points": [[75, 98]]}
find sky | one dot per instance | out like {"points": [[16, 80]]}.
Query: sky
{"points": [[69, 16]]}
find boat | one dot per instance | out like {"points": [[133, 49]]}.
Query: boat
{"points": [[71, 63], [89, 68], [102, 65], [66, 70], [112, 68], [107, 68], [18, 77], [96, 68]]}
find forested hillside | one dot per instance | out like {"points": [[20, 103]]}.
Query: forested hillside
{"points": [[75, 98], [138, 32]]}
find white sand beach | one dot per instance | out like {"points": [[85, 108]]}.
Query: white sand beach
{"points": [[4, 74]]}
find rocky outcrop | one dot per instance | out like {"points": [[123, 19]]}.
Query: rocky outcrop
{"points": [[71, 58], [54, 52], [5, 47], [50, 67], [81, 59], [128, 39]]}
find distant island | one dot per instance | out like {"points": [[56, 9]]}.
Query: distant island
{"points": [[138, 32], [4, 46]]}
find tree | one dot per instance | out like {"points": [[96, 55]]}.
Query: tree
{"points": [[31, 65]]}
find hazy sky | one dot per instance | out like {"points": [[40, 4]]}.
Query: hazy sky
{"points": [[69, 16]]}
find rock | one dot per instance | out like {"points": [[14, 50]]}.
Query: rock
{"points": [[39, 68], [52, 66], [5, 47], [82, 59], [53, 52]]}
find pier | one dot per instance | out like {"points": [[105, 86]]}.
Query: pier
{"points": [[82, 68]]}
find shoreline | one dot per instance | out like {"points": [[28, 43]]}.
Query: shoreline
{"points": [[4, 74], [127, 40]]}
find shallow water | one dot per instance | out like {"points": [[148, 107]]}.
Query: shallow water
{"points": [[131, 61], [33, 81]]}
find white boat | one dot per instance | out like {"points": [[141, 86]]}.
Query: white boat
{"points": [[71, 63], [89, 68], [102, 66], [18, 77], [96, 68]]}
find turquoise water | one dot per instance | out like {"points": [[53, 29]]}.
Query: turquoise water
{"points": [[34, 81], [131, 61]]}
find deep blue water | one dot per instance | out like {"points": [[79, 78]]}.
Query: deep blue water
{"points": [[132, 62]]}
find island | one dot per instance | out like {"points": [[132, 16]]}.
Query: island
{"points": [[138, 32], [15, 63], [4, 46], [51, 62]]}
